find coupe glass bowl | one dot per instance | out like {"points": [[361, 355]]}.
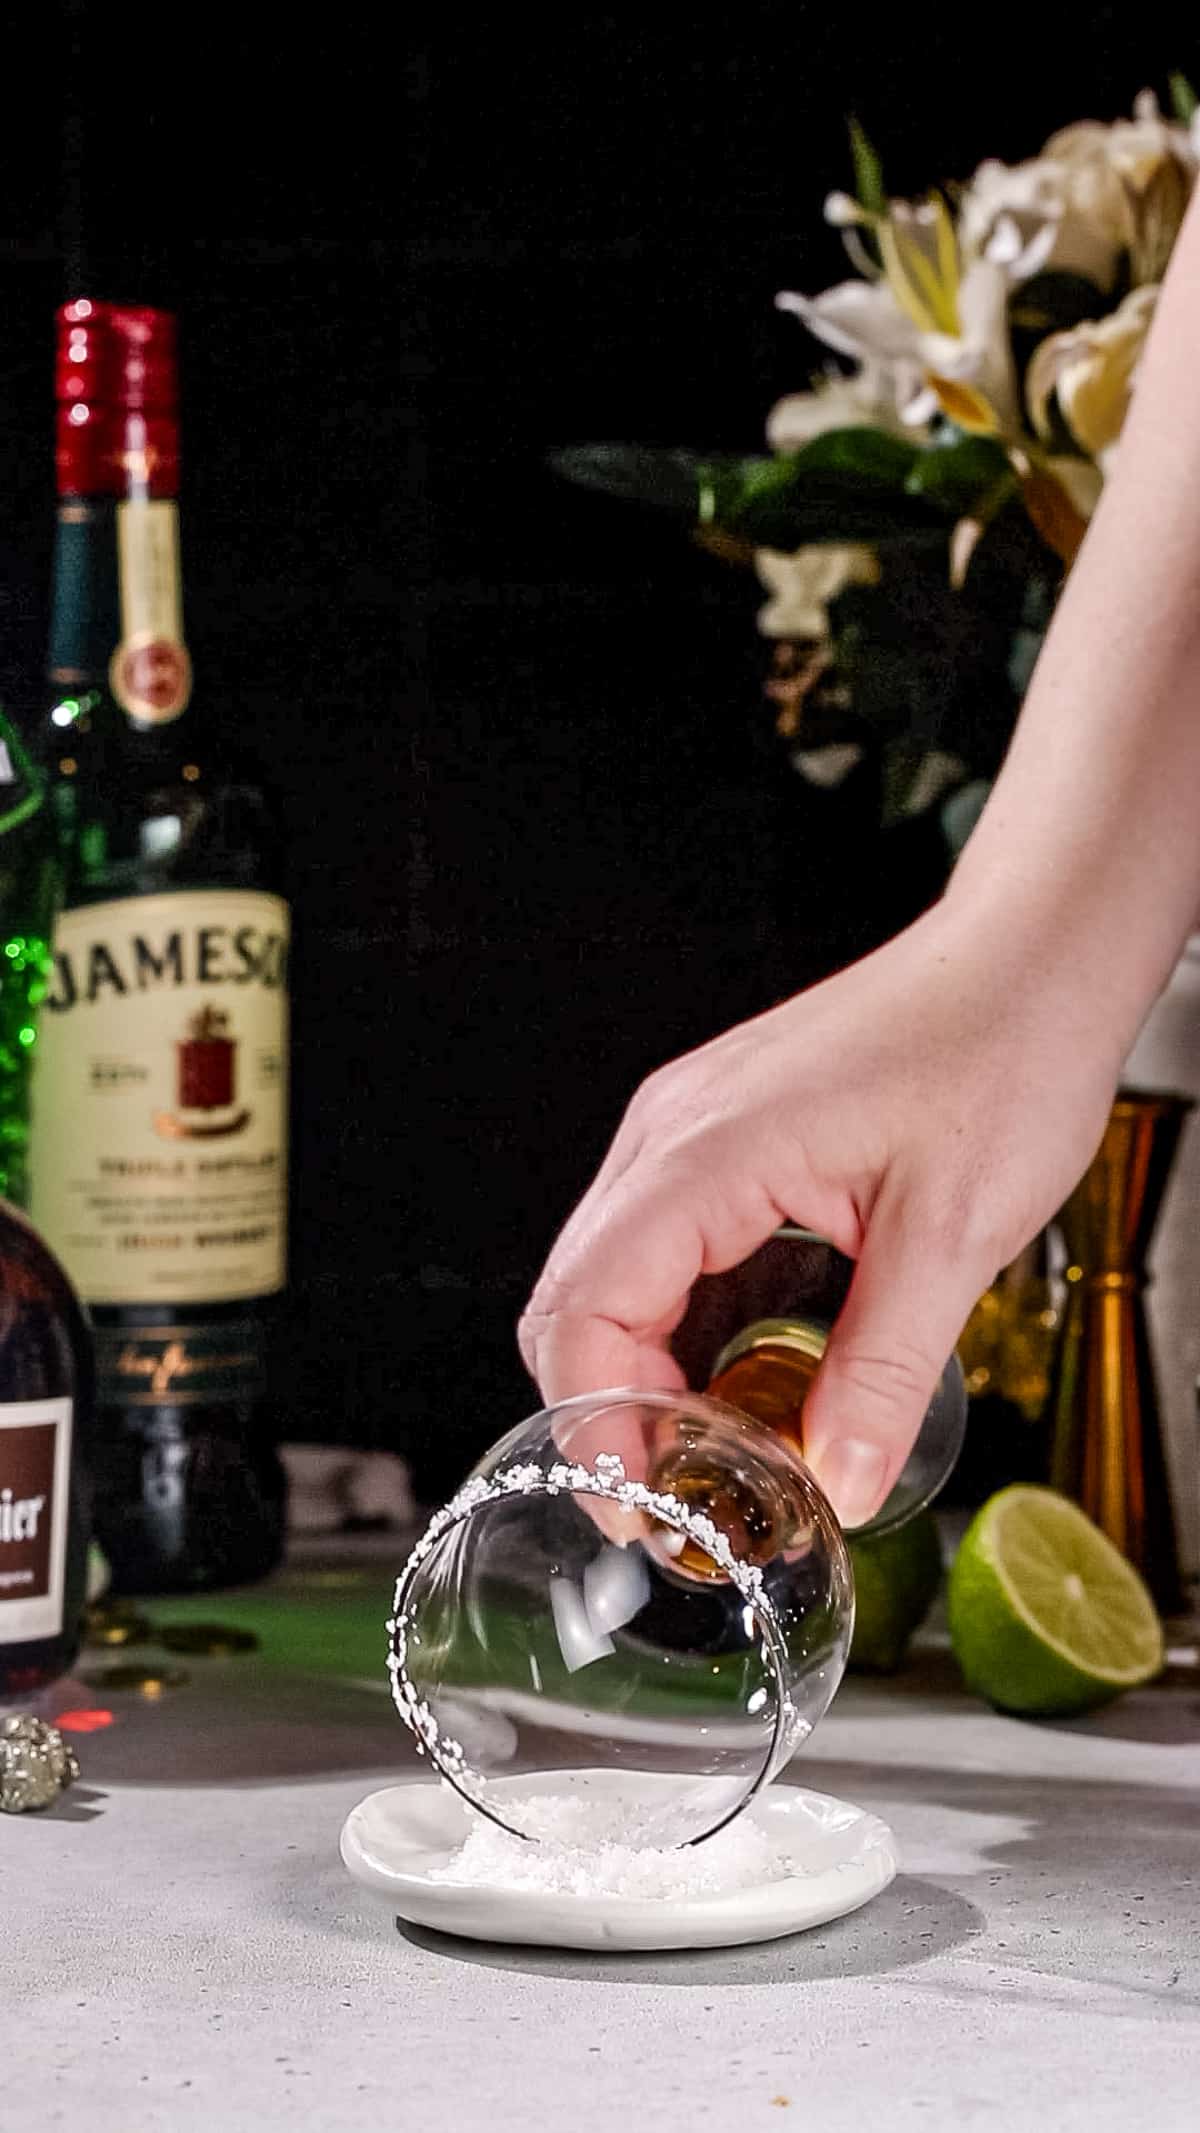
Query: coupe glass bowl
{"points": [[630, 1582]]}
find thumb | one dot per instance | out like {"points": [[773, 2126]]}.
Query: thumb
{"points": [[907, 1305]]}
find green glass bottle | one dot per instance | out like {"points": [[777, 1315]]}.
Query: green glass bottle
{"points": [[28, 897], [158, 1155]]}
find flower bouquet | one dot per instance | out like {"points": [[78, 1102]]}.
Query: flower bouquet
{"points": [[922, 501]]}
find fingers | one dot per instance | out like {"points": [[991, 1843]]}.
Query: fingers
{"points": [[626, 1430], [574, 1350], [601, 1318], [908, 1303], [612, 1293], [618, 1281]]}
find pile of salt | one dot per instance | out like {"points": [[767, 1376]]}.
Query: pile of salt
{"points": [[591, 1848]]}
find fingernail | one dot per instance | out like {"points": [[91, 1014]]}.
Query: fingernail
{"points": [[853, 1473]]}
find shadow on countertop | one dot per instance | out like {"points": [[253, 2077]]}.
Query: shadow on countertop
{"points": [[909, 1923]]}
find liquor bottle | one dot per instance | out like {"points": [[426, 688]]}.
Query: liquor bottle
{"points": [[766, 1373], [28, 898], [159, 1130], [45, 1424]]}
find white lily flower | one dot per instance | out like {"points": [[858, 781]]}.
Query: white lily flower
{"points": [[830, 766], [935, 775], [944, 342], [802, 585], [1091, 371], [860, 319], [843, 213], [1136, 148], [1153, 160], [1080, 480], [971, 372], [838, 402], [1072, 216]]}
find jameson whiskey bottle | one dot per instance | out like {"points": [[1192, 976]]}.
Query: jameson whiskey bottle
{"points": [[158, 1156], [45, 1424]]}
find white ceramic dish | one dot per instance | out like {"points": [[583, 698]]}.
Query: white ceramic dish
{"points": [[393, 1838]]}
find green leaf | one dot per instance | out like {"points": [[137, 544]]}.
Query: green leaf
{"points": [[1011, 571], [1183, 99], [962, 472], [868, 172], [835, 512], [730, 490], [872, 458], [848, 485], [923, 662], [665, 477], [1037, 610], [961, 812], [914, 779], [1026, 651]]}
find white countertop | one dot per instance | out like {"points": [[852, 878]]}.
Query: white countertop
{"points": [[183, 1949]]}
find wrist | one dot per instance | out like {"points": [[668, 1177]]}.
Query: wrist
{"points": [[1045, 958], [1088, 853]]}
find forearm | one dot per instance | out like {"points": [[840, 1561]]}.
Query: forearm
{"points": [[1090, 844]]}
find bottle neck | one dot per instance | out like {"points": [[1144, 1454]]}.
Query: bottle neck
{"points": [[117, 607], [85, 608]]}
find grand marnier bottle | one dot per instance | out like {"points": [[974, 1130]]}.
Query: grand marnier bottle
{"points": [[45, 1424], [158, 1156]]}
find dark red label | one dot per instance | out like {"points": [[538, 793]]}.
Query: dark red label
{"points": [[27, 1456], [206, 1073]]}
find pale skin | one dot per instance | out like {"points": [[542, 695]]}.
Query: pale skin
{"points": [[930, 1108]]}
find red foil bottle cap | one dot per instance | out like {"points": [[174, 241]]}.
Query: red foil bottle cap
{"points": [[83, 393], [145, 374], [82, 369], [115, 376]]}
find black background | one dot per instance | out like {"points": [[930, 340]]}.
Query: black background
{"points": [[541, 836]]}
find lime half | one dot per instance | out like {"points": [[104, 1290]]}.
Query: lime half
{"points": [[1046, 1616]]}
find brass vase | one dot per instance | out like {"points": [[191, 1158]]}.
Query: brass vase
{"points": [[1107, 1437]]}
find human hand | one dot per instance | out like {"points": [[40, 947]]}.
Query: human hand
{"points": [[927, 1111]]}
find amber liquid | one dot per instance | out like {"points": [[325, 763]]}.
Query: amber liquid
{"points": [[769, 1383]]}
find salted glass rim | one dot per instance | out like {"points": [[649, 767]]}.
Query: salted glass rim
{"points": [[483, 1489]]}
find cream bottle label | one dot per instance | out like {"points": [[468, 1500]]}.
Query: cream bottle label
{"points": [[158, 1151], [35, 1481], [150, 673]]}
